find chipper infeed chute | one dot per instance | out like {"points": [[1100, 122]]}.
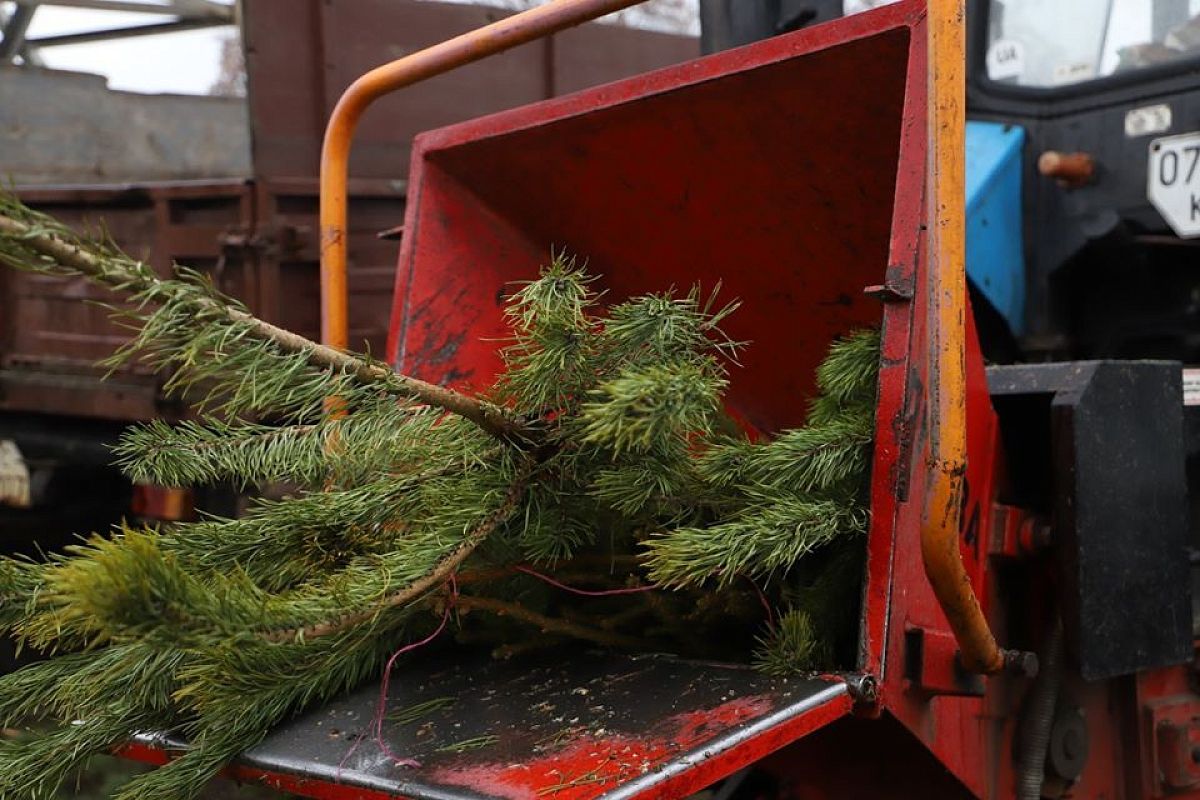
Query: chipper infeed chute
{"points": [[792, 172]]}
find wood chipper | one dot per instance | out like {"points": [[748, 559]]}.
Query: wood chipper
{"points": [[1025, 625]]}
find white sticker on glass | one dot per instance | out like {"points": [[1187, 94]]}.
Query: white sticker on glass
{"points": [[1074, 72], [1005, 59]]}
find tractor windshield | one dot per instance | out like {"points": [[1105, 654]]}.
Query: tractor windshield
{"points": [[1045, 43]]}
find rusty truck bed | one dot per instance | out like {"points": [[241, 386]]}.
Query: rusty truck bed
{"points": [[257, 235], [256, 239]]}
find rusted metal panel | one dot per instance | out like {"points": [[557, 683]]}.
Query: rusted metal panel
{"points": [[590, 55], [290, 294], [257, 241], [59, 330], [258, 235], [297, 72], [36, 388], [91, 133]]}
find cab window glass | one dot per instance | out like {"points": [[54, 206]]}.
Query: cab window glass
{"points": [[1047, 43]]}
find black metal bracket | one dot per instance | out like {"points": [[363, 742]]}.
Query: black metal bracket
{"points": [[1101, 445]]}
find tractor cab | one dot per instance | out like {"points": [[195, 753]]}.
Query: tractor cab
{"points": [[1083, 179], [1104, 95]]}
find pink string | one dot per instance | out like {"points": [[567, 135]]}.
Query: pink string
{"points": [[762, 598], [381, 706], [584, 592]]}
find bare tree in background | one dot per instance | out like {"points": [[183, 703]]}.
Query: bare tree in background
{"points": [[231, 75], [676, 16]]}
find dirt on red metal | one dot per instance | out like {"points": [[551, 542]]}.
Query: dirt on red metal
{"points": [[793, 171], [591, 762], [572, 724], [738, 169]]}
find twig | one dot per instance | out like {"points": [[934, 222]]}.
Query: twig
{"points": [[549, 624], [439, 575], [504, 652], [487, 575], [469, 744], [584, 592], [418, 711], [491, 418]]}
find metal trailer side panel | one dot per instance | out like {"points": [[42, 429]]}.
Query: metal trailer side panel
{"points": [[257, 235]]}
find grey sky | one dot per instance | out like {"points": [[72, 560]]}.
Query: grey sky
{"points": [[187, 62], [176, 62]]}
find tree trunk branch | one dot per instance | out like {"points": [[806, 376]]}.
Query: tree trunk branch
{"points": [[114, 271]]}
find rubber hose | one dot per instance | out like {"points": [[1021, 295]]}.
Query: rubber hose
{"points": [[1034, 741]]}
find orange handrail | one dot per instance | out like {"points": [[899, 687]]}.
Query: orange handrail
{"points": [[940, 519], [335, 153]]}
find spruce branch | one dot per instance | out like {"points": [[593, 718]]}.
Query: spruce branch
{"points": [[551, 358], [613, 453], [434, 578], [758, 543], [664, 327], [34, 767], [793, 646], [20, 583], [37, 243], [814, 458], [87, 684], [550, 625], [379, 438], [847, 377], [648, 408]]}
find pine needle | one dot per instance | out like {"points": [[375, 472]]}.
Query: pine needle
{"points": [[605, 438]]}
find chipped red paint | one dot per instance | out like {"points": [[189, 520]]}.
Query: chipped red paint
{"points": [[735, 167], [304, 787], [593, 763]]}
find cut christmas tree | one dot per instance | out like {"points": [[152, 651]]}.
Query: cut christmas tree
{"points": [[597, 491]]}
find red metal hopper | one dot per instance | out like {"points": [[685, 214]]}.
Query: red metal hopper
{"points": [[676, 178]]}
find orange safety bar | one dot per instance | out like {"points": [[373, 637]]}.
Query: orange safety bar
{"points": [[947, 465], [335, 153]]}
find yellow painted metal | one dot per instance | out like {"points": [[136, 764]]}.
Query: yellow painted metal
{"points": [[947, 334]]}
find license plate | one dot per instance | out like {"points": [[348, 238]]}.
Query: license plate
{"points": [[1174, 182]]}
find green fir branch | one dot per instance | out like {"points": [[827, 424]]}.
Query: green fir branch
{"points": [[820, 458], [792, 647], [346, 449], [760, 542], [847, 377], [606, 424], [551, 359], [649, 408]]}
